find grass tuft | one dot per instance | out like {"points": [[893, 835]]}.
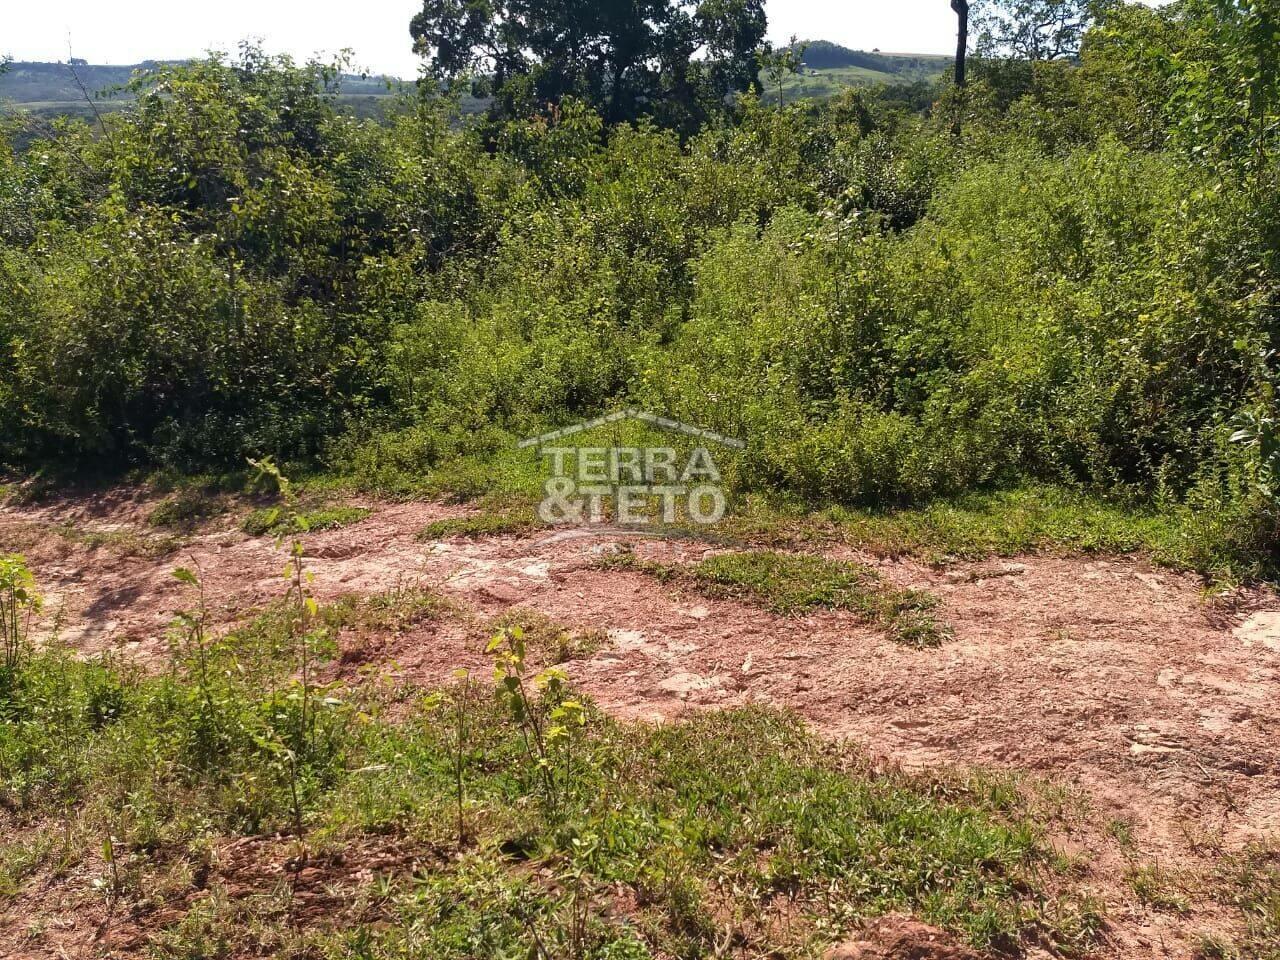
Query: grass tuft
{"points": [[277, 521], [477, 526], [125, 543], [390, 612], [1249, 881], [795, 583], [1157, 888], [558, 643], [186, 509]]}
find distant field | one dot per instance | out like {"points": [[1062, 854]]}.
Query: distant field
{"points": [[821, 84]]}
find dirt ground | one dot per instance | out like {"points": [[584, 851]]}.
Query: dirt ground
{"points": [[1154, 702]]}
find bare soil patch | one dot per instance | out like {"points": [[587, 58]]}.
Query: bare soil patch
{"points": [[1123, 681]]}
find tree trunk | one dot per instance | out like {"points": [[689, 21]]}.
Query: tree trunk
{"points": [[615, 95], [961, 7]]}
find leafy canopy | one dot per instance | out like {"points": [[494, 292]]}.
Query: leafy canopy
{"points": [[677, 61]]}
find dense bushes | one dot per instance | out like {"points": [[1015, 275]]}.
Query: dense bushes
{"points": [[220, 272], [1071, 290], [1078, 318]]}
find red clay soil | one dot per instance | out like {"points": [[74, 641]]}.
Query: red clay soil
{"points": [[1107, 674]]}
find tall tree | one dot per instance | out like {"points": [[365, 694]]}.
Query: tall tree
{"points": [[1032, 29], [677, 60]]}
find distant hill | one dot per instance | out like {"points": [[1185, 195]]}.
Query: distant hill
{"points": [[50, 89], [900, 67], [26, 82], [829, 68]]}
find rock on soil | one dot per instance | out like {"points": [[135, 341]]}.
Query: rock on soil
{"points": [[1262, 629]]}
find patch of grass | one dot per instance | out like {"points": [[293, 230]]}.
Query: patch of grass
{"points": [[389, 612], [25, 490], [1216, 536], [1223, 545], [186, 509], [480, 525], [1249, 881], [558, 643], [126, 543], [795, 583], [740, 814], [1213, 946], [740, 817], [973, 526], [265, 636], [1122, 832], [1158, 888], [278, 521], [21, 860], [429, 461]]}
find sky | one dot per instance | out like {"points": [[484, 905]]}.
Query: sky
{"points": [[128, 31]]}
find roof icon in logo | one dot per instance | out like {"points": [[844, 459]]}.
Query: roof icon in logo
{"points": [[665, 423]]}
